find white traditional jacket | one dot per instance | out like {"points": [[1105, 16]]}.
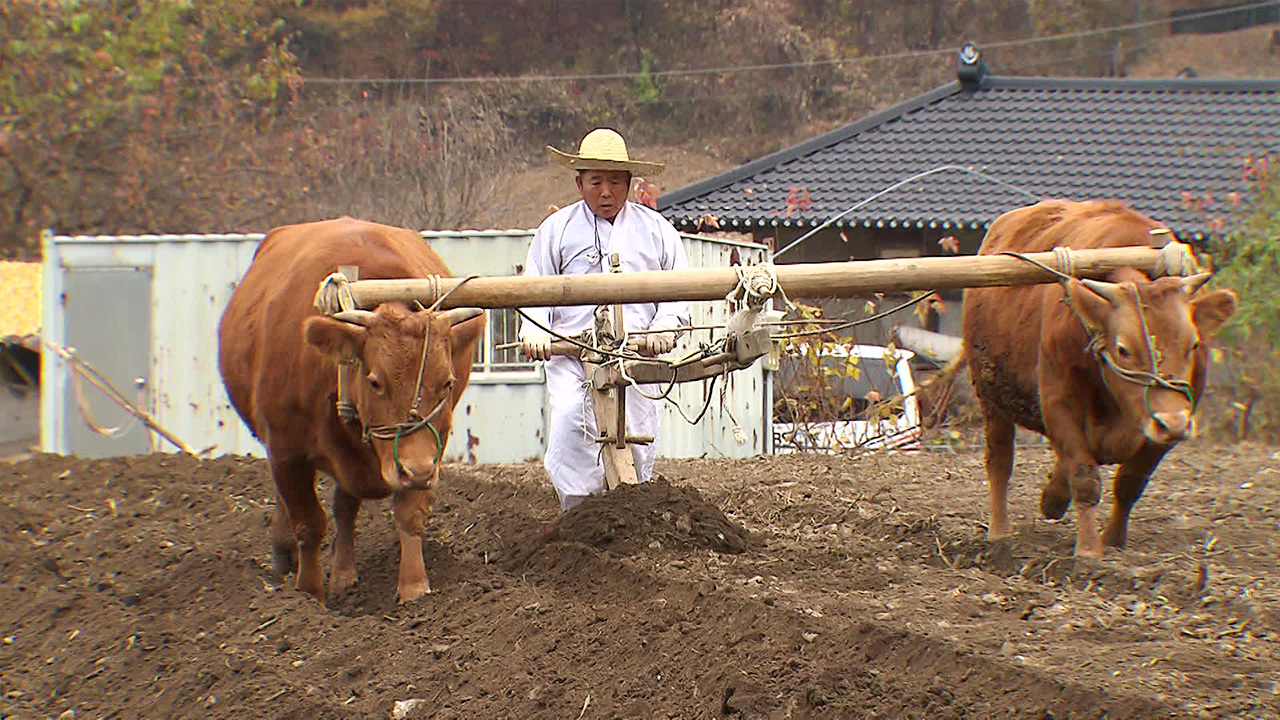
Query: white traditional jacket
{"points": [[573, 241]]}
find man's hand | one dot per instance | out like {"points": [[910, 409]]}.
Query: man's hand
{"points": [[536, 344], [660, 342]]}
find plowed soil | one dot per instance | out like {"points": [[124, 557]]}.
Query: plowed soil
{"points": [[779, 587]]}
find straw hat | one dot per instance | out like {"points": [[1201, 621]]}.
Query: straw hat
{"points": [[604, 149]]}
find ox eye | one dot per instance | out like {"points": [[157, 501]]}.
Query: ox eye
{"points": [[1123, 351], [374, 382]]}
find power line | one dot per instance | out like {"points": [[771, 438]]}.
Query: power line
{"points": [[1075, 58], [629, 75], [724, 97], [907, 180], [1133, 25], [713, 97], [911, 54]]}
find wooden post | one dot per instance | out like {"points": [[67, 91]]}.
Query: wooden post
{"points": [[619, 464], [610, 404], [835, 279]]}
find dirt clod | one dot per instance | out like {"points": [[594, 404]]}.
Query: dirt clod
{"points": [[634, 517]]}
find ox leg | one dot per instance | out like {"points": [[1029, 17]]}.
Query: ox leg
{"points": [[1130, 480], [345, 509], [410, 509], [296, 484], [284, 546], [1086, 491], [1075, 479], [999, 433], [1076, 470], [1055, 497]]}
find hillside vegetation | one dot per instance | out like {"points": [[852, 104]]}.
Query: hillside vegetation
{"points": [[231, 115]]}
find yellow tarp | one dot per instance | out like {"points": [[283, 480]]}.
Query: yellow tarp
{"points": [[20, 303]]}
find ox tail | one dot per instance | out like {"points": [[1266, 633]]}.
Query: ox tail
{"points": [[940, 387], [947, 373], [954, 365]]}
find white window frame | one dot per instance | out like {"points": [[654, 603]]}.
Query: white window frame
{"points": [[485, 368]]}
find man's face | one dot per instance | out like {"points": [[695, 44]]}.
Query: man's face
{"points": [[604, 190]]}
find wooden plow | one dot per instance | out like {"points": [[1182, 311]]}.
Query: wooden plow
{"points": [[612, 365]]}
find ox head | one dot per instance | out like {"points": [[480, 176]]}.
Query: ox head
{"points": [[404, 391], [1147, 338]]}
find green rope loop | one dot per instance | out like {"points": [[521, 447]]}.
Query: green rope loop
{"points": [[395, 453], [395, 447], [439, 443]]}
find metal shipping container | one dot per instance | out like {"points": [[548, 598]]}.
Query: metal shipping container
{"points": [[144, 309]]}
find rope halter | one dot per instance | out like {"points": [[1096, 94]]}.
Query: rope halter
{"points": [[336, 299], [415, 420], [1175, 259], [1148, 379], [756, 284]]}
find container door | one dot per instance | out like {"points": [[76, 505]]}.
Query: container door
{"points": [[108, 316]]}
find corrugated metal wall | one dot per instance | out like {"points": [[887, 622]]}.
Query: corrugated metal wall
{"points": [[192, 279], [741, 400], [502, 417]]}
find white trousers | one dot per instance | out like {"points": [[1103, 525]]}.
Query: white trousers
{"points": [[573, 458]]}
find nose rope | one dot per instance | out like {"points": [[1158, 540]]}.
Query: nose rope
{"points": [[399, 430], [395, 444]]}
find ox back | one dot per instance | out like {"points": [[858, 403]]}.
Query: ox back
{"points": [[274, 380]]}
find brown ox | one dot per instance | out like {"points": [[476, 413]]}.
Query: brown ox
{"points": [[1106, 379], [279, 361]]}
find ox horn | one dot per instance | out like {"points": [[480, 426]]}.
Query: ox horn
{"points": [[1108, 290], [355, 317], [461, 315], [1191, 283]]}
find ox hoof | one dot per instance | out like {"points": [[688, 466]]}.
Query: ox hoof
{"points": [[1054, 507], [284, 558], [316, 592], [1089, 551], [1103, 569], [412, 592], [1115, 539], [340, 582]]}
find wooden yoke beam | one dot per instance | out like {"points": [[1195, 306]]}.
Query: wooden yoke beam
{"points": [[833, 279]]}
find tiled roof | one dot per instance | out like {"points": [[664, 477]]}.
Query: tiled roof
{"points": [[1147, 142]]}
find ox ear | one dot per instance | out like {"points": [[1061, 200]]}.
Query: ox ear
{"points": [[1091, 307], [334, 338], [1211, 310]]}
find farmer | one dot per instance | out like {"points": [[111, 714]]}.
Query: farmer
{"points": [[577, 240]]}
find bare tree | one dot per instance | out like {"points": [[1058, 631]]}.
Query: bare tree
{"points": [[407, 162]]}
